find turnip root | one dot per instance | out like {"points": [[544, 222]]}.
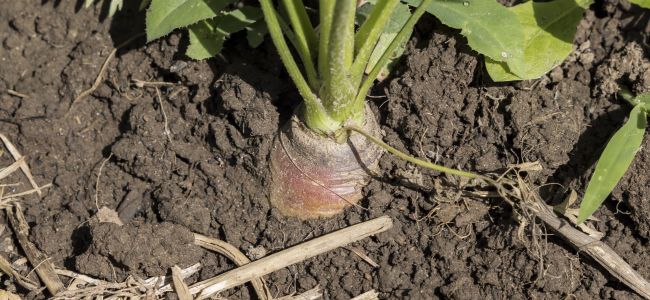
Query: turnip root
{"points": [[314, 176]]}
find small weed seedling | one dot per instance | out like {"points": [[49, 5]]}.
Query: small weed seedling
{"points": [[617, 156]]}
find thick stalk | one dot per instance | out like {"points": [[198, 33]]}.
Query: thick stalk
{"points": [[314, 114], [368, 35], [407, 29], [337, 91]]}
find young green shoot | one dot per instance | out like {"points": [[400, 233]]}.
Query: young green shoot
{"points": [[333, 84], [617, 156]]}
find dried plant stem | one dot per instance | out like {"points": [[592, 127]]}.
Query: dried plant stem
{"points": [[369, 295], [99, 174], [134, 288], [24, 167], [180, 286], [596, 249], [41, 263], [235, 255], [312, 294], [5, 267], [290, 256], [96, 83], [100, 75]]}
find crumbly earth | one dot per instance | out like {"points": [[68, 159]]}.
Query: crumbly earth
{"points": [[195, 159]]}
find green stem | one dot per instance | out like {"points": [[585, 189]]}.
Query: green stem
{"points": [[627, 95], [412, 159], [326, 11], [407, 29], [314, 114], [337, 91], [368, 35], [305, 38]]}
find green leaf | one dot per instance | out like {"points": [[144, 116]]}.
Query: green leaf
{"points": [[163, 16], [114, 7], [490, 28], [205, 41], [644, 100], [548, 29], [144, 4], [207, 37], [642, 3], [398, 18], [256, 33], [614, 162]]}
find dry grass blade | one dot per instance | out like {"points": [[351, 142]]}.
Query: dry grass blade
{"points": [[12, 168], [24, 167], [363, 256], [236, 256], [312, 294], [99, 174], [80, 277], [25, 193], [131, 288], [369, 295], [41, 263], [96, 83], [17, 94], [100, 75], [290, 256], [180, 286], [25, 282]]}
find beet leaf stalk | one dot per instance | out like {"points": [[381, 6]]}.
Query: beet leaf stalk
{"points": [[318, 169]]}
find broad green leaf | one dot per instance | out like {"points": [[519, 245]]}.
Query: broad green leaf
{"points": [[642, 3], [205, 41], [614, 162], [207, 37], [255, 33], [238, 19], [163, 16], [398, 18], [490, 28], [548, 29]]}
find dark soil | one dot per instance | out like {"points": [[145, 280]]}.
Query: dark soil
{"points": [[206, 171]]}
